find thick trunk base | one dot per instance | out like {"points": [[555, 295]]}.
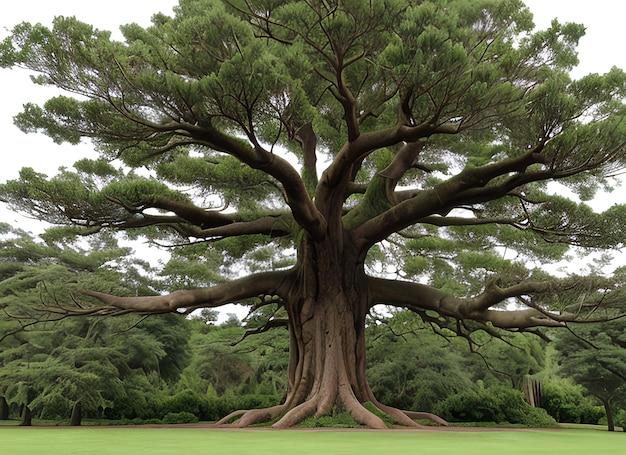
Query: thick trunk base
{"points": [[327, 303], [363, 417], [327, 374]]}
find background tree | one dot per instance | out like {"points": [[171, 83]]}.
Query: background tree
{"points": [[358, 138], [411, 367], [49, 363], [509, 359], [595, 357]]}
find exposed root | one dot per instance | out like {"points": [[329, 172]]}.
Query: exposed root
{"points": [[260, 416], [252, 416], [405, 418], [396, 414], [305, 410], [297, 414], [231, 416], [426, 416], [359, 412]]}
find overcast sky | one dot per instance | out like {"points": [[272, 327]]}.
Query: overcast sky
{"points": [[599, 51]]}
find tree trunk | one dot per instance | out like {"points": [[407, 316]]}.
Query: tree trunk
{"points": [[76, 417], [609, 415], [4, 409], [26, 417], [327, 306]]}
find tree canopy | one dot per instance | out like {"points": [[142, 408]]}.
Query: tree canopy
{"points": [[319, 158]]}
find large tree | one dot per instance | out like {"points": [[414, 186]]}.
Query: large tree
{"points": [[397, 152]]}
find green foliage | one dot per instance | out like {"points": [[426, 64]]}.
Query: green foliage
{"points": [[594, 357], [339, 418], [565, 402], [511, 358], [416, 371], [100, 362], [206, 113], [184, 401], [494, 404], [179, 417]]}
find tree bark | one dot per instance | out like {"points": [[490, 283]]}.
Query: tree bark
{"points": [[77, 415], [4, 409], [327, 306], [609, 414], [26, 417]]}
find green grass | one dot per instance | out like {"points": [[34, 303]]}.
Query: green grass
{"points": [[161, 441]]}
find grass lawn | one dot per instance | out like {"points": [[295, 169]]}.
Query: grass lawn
{"points": [[161, 441]]}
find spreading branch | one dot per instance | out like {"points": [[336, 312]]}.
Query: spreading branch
{"points": [[182, 300], [422, 298]]}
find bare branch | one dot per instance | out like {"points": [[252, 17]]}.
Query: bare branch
{"points": [[232, 291], [422, 298], [271, 324], [446, 196]]}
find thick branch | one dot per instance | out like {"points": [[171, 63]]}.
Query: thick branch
{"points": [[190, 220], [304, 211], [403, 161], [308, 142], [272, 226], [367, 143], [232, 291], [421, 298], [443, 197], [193, 214]]}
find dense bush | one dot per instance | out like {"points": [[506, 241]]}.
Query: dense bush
{"points": [[180, 417], [137, 403], [212, 408], [53, 406], [340, 418], [494, 404], [565, 402], [185, 401]]}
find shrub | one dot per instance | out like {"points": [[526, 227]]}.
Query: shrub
{"points": [[339, 418], [179, 417], [152, 421], [494, 404], [53, 406], [185, 401], [135, 404], [565, 402]]}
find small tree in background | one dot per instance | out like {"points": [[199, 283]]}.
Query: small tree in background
{"points": [[594, 356]]}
